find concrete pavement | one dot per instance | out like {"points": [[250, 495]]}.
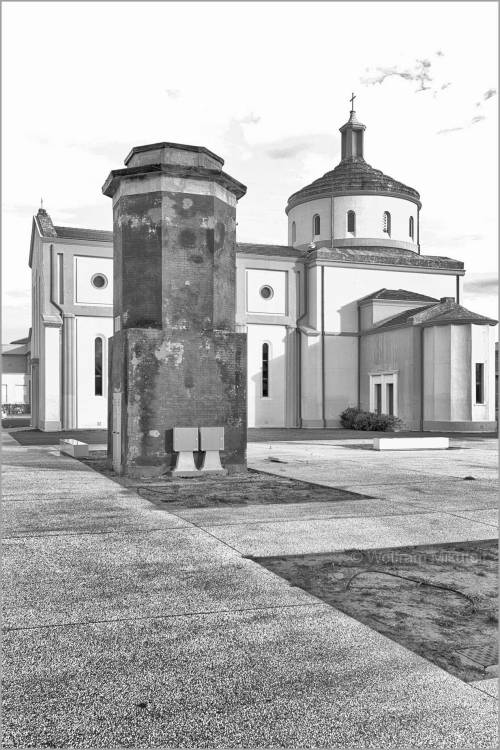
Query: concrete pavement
{"points": [[129, 625]]}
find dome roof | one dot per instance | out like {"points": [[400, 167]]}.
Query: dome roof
{"points": [[353, 176]]}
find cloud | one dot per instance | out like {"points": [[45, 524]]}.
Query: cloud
{"points": [[487, 95], [481, 284], [449, 130], [286, 152], [419, 73], [173, 93], [250, 119], [474, 121]]}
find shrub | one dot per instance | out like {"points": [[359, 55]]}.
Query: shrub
{"points": [[358, 419]]}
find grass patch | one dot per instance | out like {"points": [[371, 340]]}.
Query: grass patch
{"points": [[439, 601], [245, 488]]}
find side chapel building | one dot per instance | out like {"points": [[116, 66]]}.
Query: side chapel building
{"points": [[348, 313]]}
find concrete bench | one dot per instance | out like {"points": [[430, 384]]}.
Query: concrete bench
{"points": [[411, 444], [73, 447]]}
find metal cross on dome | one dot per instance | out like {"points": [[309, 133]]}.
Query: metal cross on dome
{"points": [[352, 101]]}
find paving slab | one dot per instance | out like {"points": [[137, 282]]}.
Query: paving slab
{"points": [[487, 686], [207, 517], [488, 517], [55, 580], [300, 537], [277, 678], [84, 514], [340, 462], [449, 494]]}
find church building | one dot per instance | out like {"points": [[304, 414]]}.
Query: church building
{"points": [[350, 313]]}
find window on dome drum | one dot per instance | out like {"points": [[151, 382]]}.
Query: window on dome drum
{"points": [[294, 232], [316, 225], [411, 228], [387, 223], [479, 383], [98, 366], [351, 221], [265, 370]]}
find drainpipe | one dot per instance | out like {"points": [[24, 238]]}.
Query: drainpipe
{"points": [[457, 295], [422, 392], [299, 320], [331, 219], [418, 229], [323, 374], [359, 356]]}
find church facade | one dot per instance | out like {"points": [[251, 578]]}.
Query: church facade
{"points": [[349, 313]]}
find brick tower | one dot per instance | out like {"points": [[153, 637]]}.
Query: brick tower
{"points": [[175, 357]]}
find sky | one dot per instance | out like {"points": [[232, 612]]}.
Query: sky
{"points": [[266, 86]]}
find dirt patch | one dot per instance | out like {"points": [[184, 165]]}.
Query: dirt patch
{"points": [[248, 488], [439, 601]]}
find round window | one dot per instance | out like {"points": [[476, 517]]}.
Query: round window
{"points": [[266, 292], [99, 281]]}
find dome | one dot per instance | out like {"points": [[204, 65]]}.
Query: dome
{"points": [[353, 176]]}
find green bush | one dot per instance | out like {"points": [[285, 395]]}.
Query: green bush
{"points": [[357, 419]]}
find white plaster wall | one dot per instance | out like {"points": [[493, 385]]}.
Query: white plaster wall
{"points": [[15, 388], [277, 280], [311, 406], [85, 292], [369, 210], [314, 296], [380, 310], [394, 351], [344, 286], [437, 363], [303, 214], [51, 364], [460, 373], [483, 350], [91, 410], [270, 411], [341, 383]]}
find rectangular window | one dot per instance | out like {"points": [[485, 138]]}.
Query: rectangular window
{"points": [[479, 383], [390, 398], [384, 393], [98, 366], [265, 370]]}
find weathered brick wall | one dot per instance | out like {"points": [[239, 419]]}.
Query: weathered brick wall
{"points": [[177, 359], [195, 379], [137, 247]]}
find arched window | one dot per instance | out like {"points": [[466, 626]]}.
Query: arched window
{"points": [[316, 225], [294, 232], [387, 222], [351, 221], [411, 230], [98, 366], [265, 370]]}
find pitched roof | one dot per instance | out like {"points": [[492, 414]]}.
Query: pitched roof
{"points": [[269, 250], [352, 175], [80, 233], [389, 256], [445, 312], [399, 294]]}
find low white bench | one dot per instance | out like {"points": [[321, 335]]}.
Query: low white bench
{"points": [[73, 447], [411, 444]]}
